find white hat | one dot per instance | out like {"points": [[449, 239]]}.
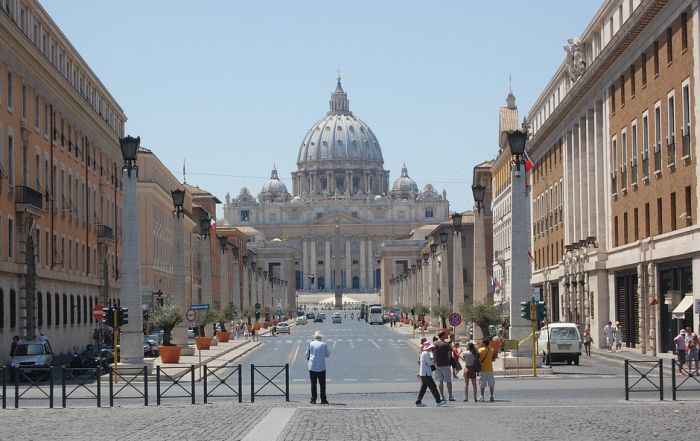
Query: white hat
{"points": [[318, 335]]}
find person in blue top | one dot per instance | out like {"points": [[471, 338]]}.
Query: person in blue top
{"points": [[316, 353]]}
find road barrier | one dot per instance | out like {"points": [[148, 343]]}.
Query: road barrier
{"points": [[226, 389], [270, 380], [129, 377], [692, 380], [3, 380], [174, 382], [35, 383], [80, 380], [644, 375]]}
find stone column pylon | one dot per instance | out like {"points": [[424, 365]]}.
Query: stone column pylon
{"points": [[224, 296], [131, 340], [457, 276], [206, 278], [179, 284]]}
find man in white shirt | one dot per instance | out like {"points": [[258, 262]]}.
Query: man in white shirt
{"points": [[609, 330], [316, 353]]}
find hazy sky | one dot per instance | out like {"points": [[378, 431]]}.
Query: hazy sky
{"points": [[233, 86]]}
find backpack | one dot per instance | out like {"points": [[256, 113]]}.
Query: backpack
{"points": [[477, 362]]}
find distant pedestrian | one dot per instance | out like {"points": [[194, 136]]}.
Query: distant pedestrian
{"points": [[679, 341], [469, 357], [13, 345], [253, 333], [486, 377], [456, 365], [316, 353], [691, 350], [43, 337], [609, 339], [425, 373], [587, 340], [443, 365], [618, 337]]}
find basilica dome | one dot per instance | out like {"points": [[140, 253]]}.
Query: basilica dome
{"points": [[274, 189], [404, 183], [339, 138]]}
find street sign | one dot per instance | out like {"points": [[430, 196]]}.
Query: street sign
{"points": [[279, 311], [535, 293], [455, 319], [200, 307], [98, 312], [191, 315], [257, 306]]}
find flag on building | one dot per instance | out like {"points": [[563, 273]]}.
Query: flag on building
{"points": [[529, 165], [496, 285], [529, 256]]}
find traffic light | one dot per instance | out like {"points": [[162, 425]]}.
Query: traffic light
{"points": [[109, 316], [123, 317], [541, 310], [257, 315], [525, 310], [413, 312]]}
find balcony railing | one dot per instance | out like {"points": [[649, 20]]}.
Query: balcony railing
{"points": [[671, 150], [685, 144], [613, 183], [623, 178], [657, 161], [28, 198], [645, 165], [105, 233], [633, 171]]}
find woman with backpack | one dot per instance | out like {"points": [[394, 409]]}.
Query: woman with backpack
{"points": [[470, 370]]}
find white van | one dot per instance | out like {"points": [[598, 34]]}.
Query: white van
{"points": [[559, 342]]}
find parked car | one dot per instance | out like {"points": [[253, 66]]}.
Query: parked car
{"points": [[323, 315], [283, 328], [301, 320], [33, 354], [310, 316], [559, 342], [318, 319], [337, 318]]}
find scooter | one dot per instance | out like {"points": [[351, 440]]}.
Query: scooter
{"points": [[151, 349]]}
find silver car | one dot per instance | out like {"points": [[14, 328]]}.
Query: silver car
{"points": [[32, 354]]}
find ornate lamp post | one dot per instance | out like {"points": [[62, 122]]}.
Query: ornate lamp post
{"points": [[457, 265], [205, 228], [131, 333], [179, 284]]}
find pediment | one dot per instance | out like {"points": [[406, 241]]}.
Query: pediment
{"points": [[330, 219]]}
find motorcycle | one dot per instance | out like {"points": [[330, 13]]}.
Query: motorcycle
{"points": [[150, 349], [90, 358]]}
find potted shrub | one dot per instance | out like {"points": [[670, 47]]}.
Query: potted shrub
{"points": [[224, 316], [423, 310], [203, 341], [442, 312], [166, 318], [482, 314]]}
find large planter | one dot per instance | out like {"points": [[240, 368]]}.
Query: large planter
{"points": [[170, 354], [223, 337], [203, 343]]}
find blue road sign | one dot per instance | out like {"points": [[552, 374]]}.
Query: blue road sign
{"points": [[200, 307]]}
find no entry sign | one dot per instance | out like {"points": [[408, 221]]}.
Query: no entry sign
{"points": [[191, 315], [455, 319], [98, 312]]}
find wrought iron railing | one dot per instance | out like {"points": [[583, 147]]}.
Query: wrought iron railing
{"points": [[28, 196]]}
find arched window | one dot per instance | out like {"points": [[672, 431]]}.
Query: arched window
{"points": [[13, 309], [49, 312], [65, 309], [39, 309], [57, 303], [355, 282], [321, 283]]}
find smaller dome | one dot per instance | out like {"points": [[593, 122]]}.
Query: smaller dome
{"points": [[274, 186], [378, 197], [296, 200], [404, 183]]}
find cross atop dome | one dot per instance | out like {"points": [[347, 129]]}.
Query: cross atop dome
{"points": [[339, 100]]}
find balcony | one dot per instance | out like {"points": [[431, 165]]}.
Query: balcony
{"points": [[105, 234], [633, 172], [28, 200], [671, 151], [685, 146], [657, 162]]}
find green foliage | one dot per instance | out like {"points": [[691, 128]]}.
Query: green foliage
{"points": [[166, 318], [483, 314], [227, 314], [422, 309], [442, 311]]}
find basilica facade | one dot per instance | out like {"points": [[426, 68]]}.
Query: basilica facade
{"points": [[341, 207]]}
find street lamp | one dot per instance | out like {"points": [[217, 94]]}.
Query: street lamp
{"points": [[425, 258], [478, 191], [223, 242], [516, 140], [443, 238], [178, 200], [205, 224], [130, 150], [456, 221], [433, 248]]}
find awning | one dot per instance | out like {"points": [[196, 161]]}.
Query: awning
{"points": [[683, 306]]}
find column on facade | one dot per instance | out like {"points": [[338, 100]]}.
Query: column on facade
{"points": [[457, 275], [330, 182], [586, 300], [443, 275], [312, 261], [236, 281], [371, 283], [348, 264], [653, 310], [305, 282], [600, 197], [224, 297], [179, 332], [643, 305], [348, 181], [327, 262], [363, 265], [426, 284], [591, 188], [367, 188], [206, 276]]}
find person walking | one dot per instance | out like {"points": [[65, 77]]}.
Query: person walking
{"points": [[426, 376], [608, 329], [316, 353], [587, 340], [443, 363], [691, 350], [486, 377], [456, 365], [13, 345], [679, 341], [618, 337], [469, 357]]}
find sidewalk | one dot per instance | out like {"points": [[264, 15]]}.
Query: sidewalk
{"points": [[634, 354], [515, 366]]}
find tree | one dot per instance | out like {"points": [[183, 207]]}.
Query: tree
{"points": [[442, 311], [483, 314], [226, 315], [166, 318], [248, 313], [204, 318], [422, 310]]}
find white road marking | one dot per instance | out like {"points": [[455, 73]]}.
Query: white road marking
{"points": [[340, 339], [400, 379], [299, 379], [293, 355], [372, 341], [349, 379], [375, 379], [359, 339], [337, 342], [271, 426]]}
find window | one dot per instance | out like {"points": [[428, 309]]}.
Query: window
{"points": [[657, 138], [656, 58], [647, 220], [633, 85], [623, 148], [13, 309], [24, 101], [633, 133], [645, 145], [616, 232], [2, 308], [48, 309], [77, 308], [688, 208], [685, 129], [673, 210], [10, 237], [428, 212], [612, 99], [9, 91], [669, 46], [245, 215], [85, 310], [636, 223], [613, 167], [65, 309], [644, 69], [10, 161], [684, 31], [57, 303], [622, 90], [659, 216], [625, 228], [671, 140], [39, 309]]}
